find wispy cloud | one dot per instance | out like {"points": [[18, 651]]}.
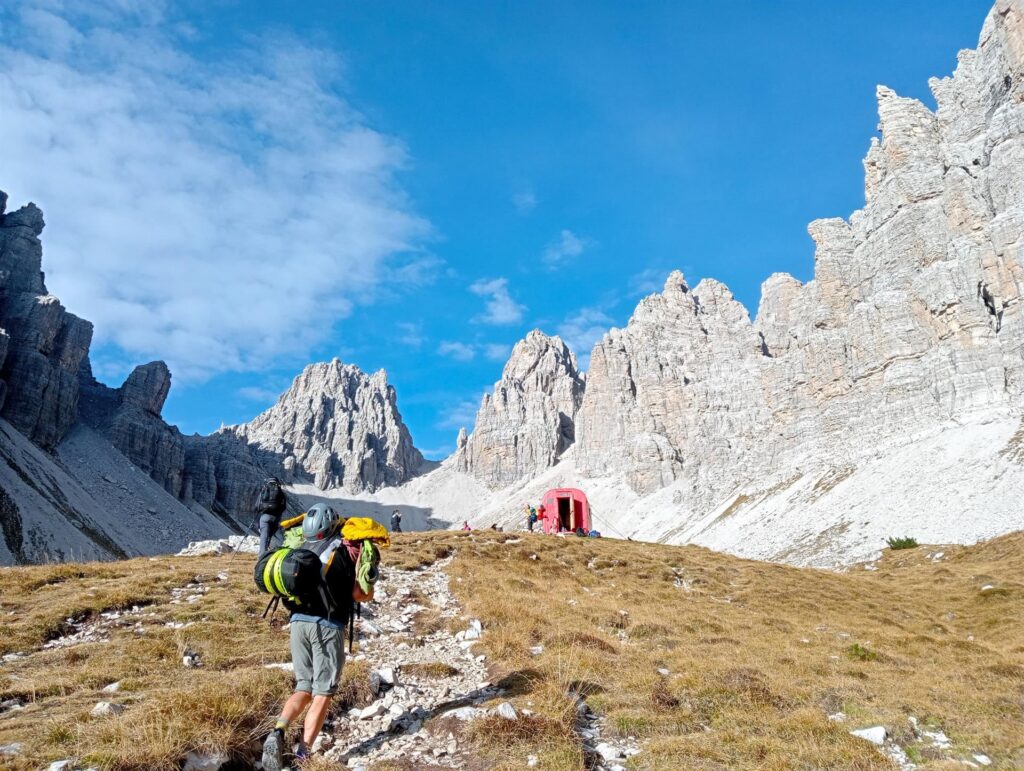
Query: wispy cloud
{"points": [[468, 351], [437, 453], [524, 201], [457, 351], [221, 211], [564, 248], [500, 308], [651, 280], [497, 351], [410, 334], [260, 394], [582, 330], [460, 415]]}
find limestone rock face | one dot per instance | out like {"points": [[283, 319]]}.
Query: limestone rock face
{"points": [[339, 426], [42, 345], [224, 474], [528, 421], [913, 321], [221, 473], [676, 392], [129, 417]]}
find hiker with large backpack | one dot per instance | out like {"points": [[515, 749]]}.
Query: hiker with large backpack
{"points": [[320, 580], [270, 506]]}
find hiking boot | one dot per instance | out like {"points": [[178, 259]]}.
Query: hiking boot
{"points": [[302, 752], [273, 751]]}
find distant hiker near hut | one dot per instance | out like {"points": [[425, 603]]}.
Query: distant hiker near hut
{"points": [[531, 516], [270, 506], [396, 521]]}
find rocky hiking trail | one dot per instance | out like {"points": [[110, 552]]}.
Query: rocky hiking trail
{"points": [[427, 688], [502, 650], [412, 689]]}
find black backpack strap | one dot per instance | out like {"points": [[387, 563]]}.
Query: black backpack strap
{"points": [[353, 613], [272, 604]]}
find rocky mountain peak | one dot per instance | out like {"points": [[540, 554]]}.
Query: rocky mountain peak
{"points": [[340, 426], [41, 344], [528, 420], [913, 319], [147, 387]]}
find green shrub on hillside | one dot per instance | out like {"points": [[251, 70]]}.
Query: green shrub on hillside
{"points": [[901, 543], [858, 652]]}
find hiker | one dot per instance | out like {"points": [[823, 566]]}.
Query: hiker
{"points": [[396, 521], [317, 632], [465, 525], [270, 506], [541, 511], [531, 516]]}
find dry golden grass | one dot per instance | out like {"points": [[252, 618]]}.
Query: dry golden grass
{"points": [[758, 654], [225, 705]]}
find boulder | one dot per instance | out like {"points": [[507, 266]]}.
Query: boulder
{"points": [[507, 711], [195, 761], [875, 734], [107, 709]]}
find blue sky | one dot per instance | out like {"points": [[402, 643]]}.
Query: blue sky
{"points": [[241, 188]]}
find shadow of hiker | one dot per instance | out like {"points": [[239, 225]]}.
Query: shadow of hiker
{"points": [[412, 721]]}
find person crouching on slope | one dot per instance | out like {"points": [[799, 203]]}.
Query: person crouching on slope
{"points": [[317, 637]]}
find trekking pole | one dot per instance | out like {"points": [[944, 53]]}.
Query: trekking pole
{"points": [[250, 529]]}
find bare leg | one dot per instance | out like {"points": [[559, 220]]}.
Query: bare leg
{"points": [[315, 718], [295, 704]]}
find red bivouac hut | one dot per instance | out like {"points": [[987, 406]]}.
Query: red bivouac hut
{"points": [[566, 509]]}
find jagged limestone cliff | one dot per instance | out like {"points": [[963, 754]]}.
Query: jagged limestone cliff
{"points": [[42, 345], [913, 320], [339, 426], [884, 397], [528, 421]]}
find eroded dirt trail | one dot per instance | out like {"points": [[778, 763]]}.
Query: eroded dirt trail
{"points": [[422, 674], [430, 682]]}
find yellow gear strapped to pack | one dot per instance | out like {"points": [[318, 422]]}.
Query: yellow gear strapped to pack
{"points": [[272, 575], [364, 528], [294, 521]]}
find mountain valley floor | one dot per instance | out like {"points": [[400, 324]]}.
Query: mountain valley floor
{"points": [[697, 659]]}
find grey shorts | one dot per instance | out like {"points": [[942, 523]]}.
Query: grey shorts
{"points": [[318, 655]]}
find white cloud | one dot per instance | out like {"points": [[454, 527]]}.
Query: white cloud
{"points": [[437, 453], [524, 201], [259, 394], [582, 330], [648, 281], [500, 307], [565, 247], [457, 351], [221, 214], [410, 334], [497, 351], [468, 351], [459, 415]]}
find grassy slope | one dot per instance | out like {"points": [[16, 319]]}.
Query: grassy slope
{"points": [[758, 653]]}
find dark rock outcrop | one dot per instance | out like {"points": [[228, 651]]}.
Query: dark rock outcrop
{"points": [[42, 345], [129, 417]]}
